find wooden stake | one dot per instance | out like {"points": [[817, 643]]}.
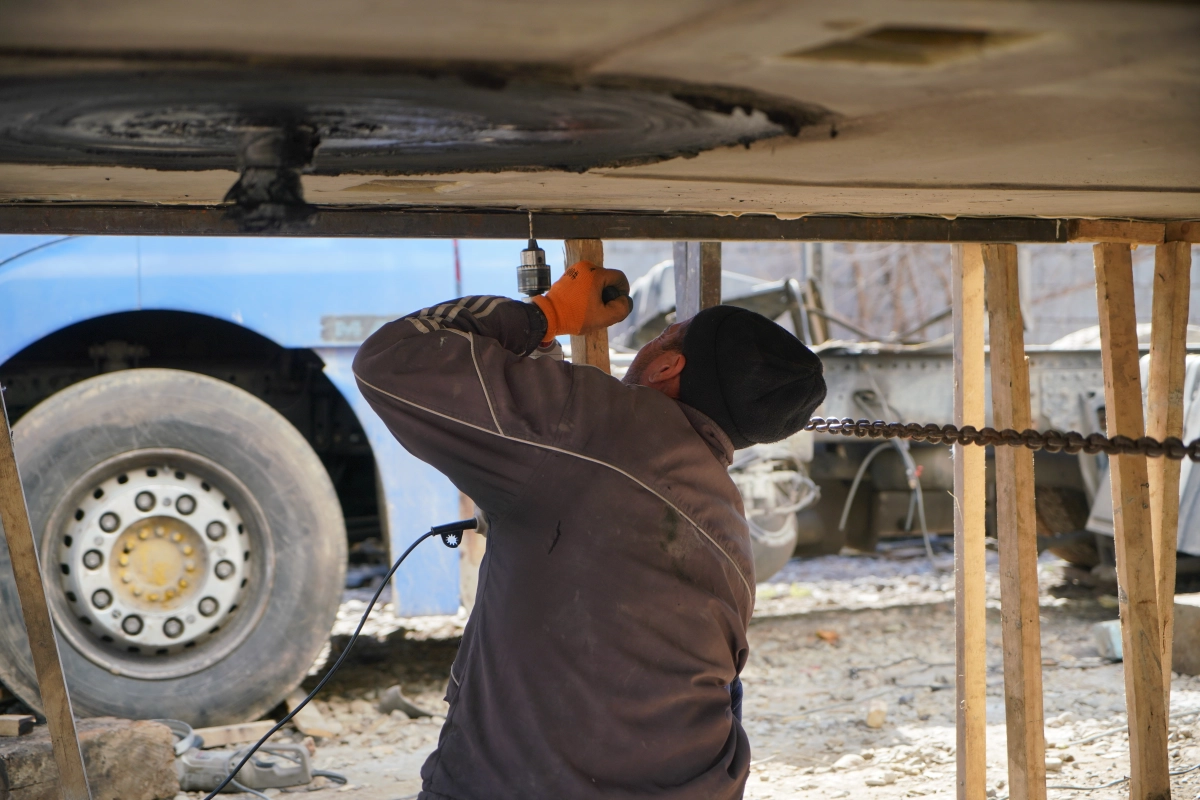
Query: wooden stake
{"points": [[970, 608], [1016, 530], [697, 278], [1168, 351], [14, 515], [591, 348], [1141, 636]]}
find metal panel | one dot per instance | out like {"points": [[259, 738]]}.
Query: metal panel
{"points": [[417, 496]]}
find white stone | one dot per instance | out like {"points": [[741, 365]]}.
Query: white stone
{"points": [[881, 777], [849, 761]]}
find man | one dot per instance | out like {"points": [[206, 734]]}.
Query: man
{"points": [[610, 621]]}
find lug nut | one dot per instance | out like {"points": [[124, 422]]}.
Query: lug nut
{"points": [[208, 606], [101, 598], [186, 504], [215, 530], [224, 569], [173, 627], [144, 501], [109, 522], [132, 624], [92, 559]]}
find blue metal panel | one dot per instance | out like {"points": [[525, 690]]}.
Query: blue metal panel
{"points": [[61, 284], [418, 497], [289, 290]]}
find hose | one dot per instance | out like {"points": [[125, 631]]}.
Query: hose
{"points": [[917, 495]]}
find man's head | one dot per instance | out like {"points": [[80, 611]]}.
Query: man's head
{"points": [[758, 382]]}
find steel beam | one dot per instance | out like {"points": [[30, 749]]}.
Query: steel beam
{"points": [[147, 220]]}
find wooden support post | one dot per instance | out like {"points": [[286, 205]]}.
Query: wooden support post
{"points": [[1016, 530], [1168, 351], [591, 348], [970, 601], [14, 516], [1141, 637], [697, 278]]}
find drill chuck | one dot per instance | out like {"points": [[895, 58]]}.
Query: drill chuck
{"points": [[533, 276]]}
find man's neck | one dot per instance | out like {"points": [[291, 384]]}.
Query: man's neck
{"points": [[716, 439]]}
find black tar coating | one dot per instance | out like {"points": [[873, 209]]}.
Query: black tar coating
{"points": [[749, 375], [403, 121]]}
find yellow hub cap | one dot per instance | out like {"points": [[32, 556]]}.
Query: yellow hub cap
{"points": [[156, 563]]}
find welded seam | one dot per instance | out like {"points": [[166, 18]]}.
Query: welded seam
{"points": [[580, 456]]}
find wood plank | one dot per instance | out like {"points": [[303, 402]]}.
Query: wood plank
{"points": [[1016, 530], [56, 702], [970, 602], [697, 278], [16, 724], [308, 720], [591, 348], [244, 733], [1168, 352], [1141, 636], [1115, 230], [1183, 231]]}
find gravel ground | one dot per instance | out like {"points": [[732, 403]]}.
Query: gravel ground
{"points": [[833, 639]]}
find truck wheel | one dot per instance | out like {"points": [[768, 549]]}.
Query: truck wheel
{"points": [[192, 547]]}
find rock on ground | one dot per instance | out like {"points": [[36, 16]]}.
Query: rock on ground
{"points": [[124, 760]]}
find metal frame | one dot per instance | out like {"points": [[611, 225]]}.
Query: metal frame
{"points": [[408, 222]]}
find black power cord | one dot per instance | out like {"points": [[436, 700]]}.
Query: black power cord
{"points": [[451, 534]]}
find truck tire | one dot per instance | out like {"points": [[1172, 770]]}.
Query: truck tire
{"points": [[192, 547]]}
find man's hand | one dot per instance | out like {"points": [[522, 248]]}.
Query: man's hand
{"points": [[575, 303]]}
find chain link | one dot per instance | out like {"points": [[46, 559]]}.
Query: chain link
{"points": [[1051, 441]]}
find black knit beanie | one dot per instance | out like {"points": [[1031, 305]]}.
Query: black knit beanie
{"points": [[753, 378]]}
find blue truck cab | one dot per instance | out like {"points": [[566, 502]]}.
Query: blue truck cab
{"points": [[115, 353]]}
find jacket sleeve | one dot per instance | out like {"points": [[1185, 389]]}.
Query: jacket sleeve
{"points": [[465, 387]]}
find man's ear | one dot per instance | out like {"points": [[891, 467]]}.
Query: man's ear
{"points": [[666, 368]]}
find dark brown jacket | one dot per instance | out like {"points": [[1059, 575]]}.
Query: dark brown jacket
{"points": [[618, 583]]}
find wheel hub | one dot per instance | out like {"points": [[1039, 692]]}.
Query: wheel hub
{"points": [[154, 560], [159, 564]]}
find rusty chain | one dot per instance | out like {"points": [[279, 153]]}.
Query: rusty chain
{"points": [[1051, 441]]}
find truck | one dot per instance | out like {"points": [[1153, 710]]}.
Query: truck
{"points": [[871, 491]]}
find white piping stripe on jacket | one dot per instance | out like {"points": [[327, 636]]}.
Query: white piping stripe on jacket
{"points": [[613, 467]]}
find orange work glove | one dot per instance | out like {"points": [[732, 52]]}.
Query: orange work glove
{"points": [[575, 304]]}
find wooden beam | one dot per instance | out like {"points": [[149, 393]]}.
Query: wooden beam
{"points": [[1115, 230], [592, 348], [970, 601], [697, 278], [1016, 530], [39, 628], [243, 733], [1141, 636], [16, 724], [1183, 231], [1168, 353]]}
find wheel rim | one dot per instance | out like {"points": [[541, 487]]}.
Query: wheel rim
{"points": [[163, 563]]}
